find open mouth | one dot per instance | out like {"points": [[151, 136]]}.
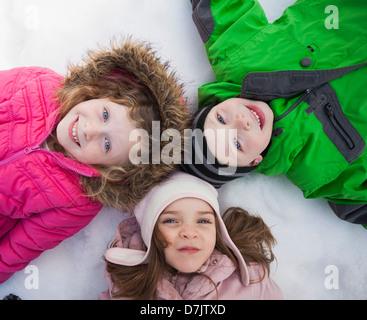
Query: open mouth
{"points": [[73, 132], [258, 114]]}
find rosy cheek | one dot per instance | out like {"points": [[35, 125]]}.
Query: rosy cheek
{"points": [[168, 236], [170, 240], [93, 151]]}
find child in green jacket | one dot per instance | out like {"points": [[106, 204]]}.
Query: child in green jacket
{"points": [[289, 98]]}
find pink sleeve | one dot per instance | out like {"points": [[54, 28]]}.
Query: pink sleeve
{"points": [[267, 289], [270, 290], [13, 80], [40, 232]]}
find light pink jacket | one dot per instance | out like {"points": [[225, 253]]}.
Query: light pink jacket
{"points": [[218, 267], [41, 200]]}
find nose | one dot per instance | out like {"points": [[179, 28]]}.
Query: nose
{"points": [[91, 131], [188, 232], [242, 122]]}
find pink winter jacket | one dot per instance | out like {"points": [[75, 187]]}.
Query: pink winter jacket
{"points": [[41, 200], [218, 267]]}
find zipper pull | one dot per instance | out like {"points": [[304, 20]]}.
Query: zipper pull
{"points": [[329, 111], [29, 150]]}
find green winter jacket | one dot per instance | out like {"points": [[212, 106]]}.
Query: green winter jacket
{"points": [[309, 66]]}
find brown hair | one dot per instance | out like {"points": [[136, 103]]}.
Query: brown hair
{"points": [[128, 73], [119, 88], [249, 233], [252, 237]]}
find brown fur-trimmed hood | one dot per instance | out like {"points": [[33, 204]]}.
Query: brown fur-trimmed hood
{"points": [[142, 62]]}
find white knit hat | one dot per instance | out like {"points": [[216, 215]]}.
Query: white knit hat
{"points": [[179, 185]]}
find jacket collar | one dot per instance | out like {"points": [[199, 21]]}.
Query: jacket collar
{"points": [[218, 268], [267, 86]]}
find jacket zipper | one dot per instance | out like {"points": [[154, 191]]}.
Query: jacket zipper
{"points": [[37, 147], [19, 154], [304, 96], [337, 126], [28, 150]]}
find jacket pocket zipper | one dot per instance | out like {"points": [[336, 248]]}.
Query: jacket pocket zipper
{"points": [[337, 126]]}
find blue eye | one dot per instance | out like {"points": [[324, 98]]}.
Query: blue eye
{"points": [[107, 145], [169, 221], [220, 119], [203, 221], [237, 144], [105, 114]]}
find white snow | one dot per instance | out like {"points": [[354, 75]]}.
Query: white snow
{"points": [[318, 255]]}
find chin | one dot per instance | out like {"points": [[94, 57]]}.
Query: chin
{"points": [[188, 269]]}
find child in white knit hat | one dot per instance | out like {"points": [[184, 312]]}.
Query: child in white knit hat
{"points": [[176, 246]]}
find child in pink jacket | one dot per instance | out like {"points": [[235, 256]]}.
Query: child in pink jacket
{"points": [[176, 246], [64, 144]]}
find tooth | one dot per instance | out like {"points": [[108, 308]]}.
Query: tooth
{"points": [[258, 118], [74, 133]]}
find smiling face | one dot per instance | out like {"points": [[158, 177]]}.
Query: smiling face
{"points": [[238, 130], [188, 225], [97, 132]]}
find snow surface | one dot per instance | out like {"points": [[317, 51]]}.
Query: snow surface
{"points": [[318, 255]]}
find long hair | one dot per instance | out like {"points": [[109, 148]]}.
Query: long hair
{"points": [[121, 89], [140, 282], [131, 74], [252, 237], [249, 233]]}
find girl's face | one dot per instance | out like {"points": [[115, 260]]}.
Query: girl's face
{"points": [[97, 132], [238, 130], [188, 225]]}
